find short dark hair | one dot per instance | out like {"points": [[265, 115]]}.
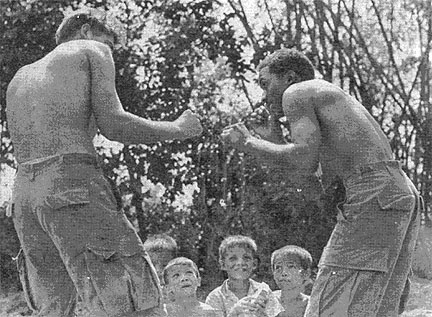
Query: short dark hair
{"points": [[304, 257], [284, 60], [100, 22], [237, 241], [160, 242], [179, 261]]}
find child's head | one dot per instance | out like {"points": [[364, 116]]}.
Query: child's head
{"points": [[238, 257], [161, 248], [181, 278], [291, 266]]}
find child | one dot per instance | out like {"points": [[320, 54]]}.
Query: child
{"points": [[181, 281], [161, 248], [240, 295], [291, 266]]}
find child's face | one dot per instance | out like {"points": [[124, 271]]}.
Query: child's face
{"points": [[287, 272], [182, 281], [239, 263]]}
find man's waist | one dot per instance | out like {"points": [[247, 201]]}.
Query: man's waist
{"points": [[370, 168], [65, 159]]}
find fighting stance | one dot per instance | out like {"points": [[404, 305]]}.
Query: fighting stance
{"points": [[365, 265], [74, 238]]}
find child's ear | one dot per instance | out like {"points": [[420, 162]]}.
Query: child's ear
{"points": [[199, 281], [255, 264], [222, 265], [306, 275]]}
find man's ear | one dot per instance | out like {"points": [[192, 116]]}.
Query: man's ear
{"points": [[86, 32], [291, 77]]}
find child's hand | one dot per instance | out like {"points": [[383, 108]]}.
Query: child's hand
{"points": [[248, 305]]}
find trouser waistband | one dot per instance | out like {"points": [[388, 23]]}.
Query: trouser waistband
{"points": [[67, 159], [361, 170]]}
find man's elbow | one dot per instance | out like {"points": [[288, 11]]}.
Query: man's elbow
{"points": [[112, 131], [303, 158]]}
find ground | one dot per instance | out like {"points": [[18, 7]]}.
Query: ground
{"points": [[419, 303]]}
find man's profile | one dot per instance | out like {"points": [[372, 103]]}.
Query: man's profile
{"points": [[365, 266]]}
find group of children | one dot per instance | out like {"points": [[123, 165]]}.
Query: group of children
{"points": [[239, 295]]}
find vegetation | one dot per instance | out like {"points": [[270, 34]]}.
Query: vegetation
{"points": [[202, 55]]}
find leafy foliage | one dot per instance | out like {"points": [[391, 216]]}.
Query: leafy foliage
{"points": [[202, 55]]}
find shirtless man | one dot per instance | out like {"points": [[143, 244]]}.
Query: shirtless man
{"points": [[365, 265], [74, 238]]}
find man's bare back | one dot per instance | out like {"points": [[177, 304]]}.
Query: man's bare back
{"points": [[327, 126], [349, 135], [49, 107], [52, 102]]}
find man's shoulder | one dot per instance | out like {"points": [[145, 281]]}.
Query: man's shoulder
{"points": [[312, 89], [312, 93], [82, 48]]}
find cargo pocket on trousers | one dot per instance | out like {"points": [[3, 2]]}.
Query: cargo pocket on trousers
{"points": [[23, 276], [352, 211], [121, 278], [70, 192], [394, 197]]}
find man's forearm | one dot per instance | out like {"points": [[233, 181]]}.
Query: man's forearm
{"points": [[288, 154], [131, 129], [272, 132]]}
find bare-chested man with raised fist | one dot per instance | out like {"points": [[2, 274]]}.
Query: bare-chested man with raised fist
{"points": [[74, 238], [365, 265]]}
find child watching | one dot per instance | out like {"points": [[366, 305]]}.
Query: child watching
{"points": [[240, 295], [161, 248], [181, 281], [291, 266]]}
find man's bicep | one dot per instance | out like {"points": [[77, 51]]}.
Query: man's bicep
{"points": [[304, 127], [301, 116], [305, 130]]}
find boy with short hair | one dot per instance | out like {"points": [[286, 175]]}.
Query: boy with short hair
{"points": [[161, 248], [291, 266], [240, 295], [181, 280]]}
